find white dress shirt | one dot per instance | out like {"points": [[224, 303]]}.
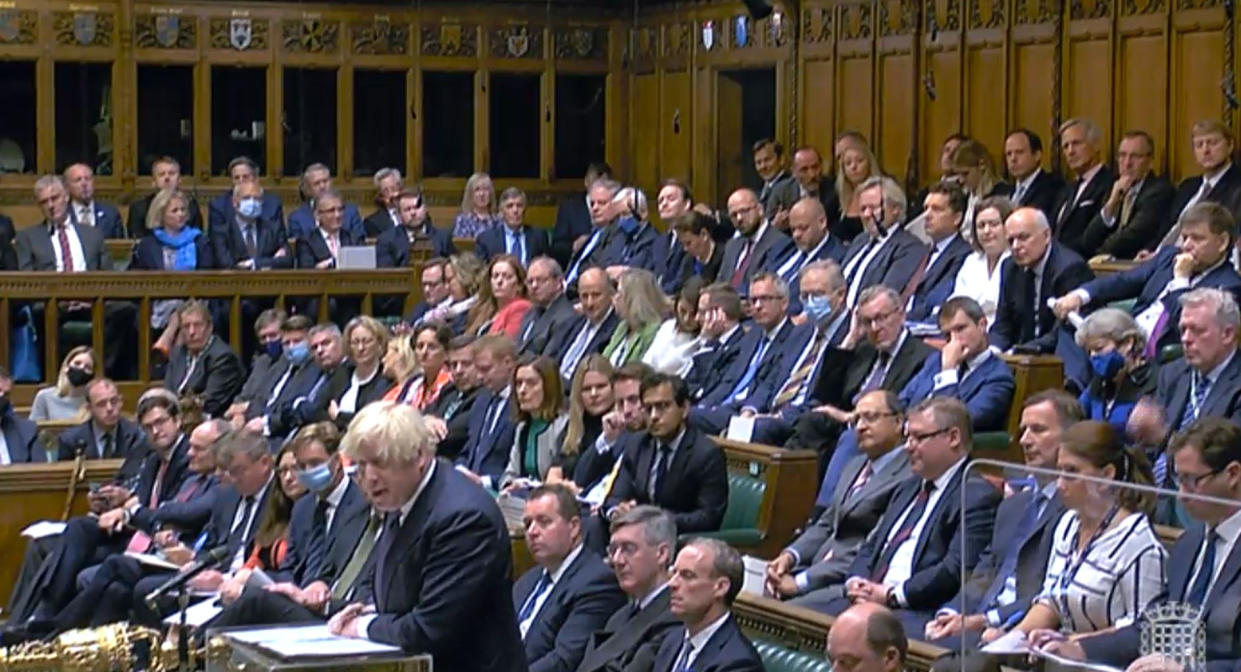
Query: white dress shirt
{"points": [[980, 284], [75, 248], [698, 641], [555, 576], [902, 564], [5, 457]]}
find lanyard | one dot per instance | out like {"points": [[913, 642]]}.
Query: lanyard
{"points": [[1075, 562]]}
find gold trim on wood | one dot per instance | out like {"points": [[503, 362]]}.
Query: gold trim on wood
{"points": [[18, 26], [380, 37], [450, 38], [165, 31], [310, 36], [83, 29]]}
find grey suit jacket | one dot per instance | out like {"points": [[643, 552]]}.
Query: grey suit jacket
{"points": [[768, 251], [548, 447], [35, 252], [827, 549], [630, 644]]}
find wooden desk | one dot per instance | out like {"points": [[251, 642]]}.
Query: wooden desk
{"points": [[791, 486], [122, 249], [1111, 267], [1032, 374]]}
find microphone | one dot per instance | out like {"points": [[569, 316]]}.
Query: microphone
{"points": [[213, 557]]}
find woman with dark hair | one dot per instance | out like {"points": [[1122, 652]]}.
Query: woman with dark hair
{"points": [[979, 276], [677, 340], [590, 398], [502, 299], [430, 343], [541, 421]]}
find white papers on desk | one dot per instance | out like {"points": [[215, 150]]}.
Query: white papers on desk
{"points": [[43, 528], [740, 429], [1012, 642], [258, 579], [197, 614], [153, 560], [312, 641], [1061, 661]]}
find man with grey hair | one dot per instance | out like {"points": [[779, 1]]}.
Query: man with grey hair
{"points": [[56, 244], [223, 208], [641, 550], [705, 580], [440, 583], [316, 181], [551, 312], [884, 253], [388, 185], [1081, 141], [514, 237], [602, 218]]}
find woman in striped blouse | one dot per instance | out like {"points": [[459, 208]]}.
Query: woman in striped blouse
{"points": [[1106, 564]]}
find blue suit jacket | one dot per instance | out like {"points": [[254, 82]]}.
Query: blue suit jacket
{"points": [[444, 588], [940, 553], [107, 219], [833, 249], [715, 371], [392, 246], [644, 248], [768, 252], [938, 281], [219, 527], [22, 438], [727, 651], [772, 371], [494, 241], [488, 454], [187, 510], [220, 213], [572, 221], [302, 222], [149, 255], [308, 541], [1223, 400], [575, 607], [987, 392]]}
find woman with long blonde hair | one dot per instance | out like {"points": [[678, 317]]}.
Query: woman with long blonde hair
{"points": [[67, 399]]}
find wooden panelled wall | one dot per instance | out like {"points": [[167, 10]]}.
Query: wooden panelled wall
{"points": [[907, 73]]}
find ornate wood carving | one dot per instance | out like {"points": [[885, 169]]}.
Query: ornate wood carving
{"points": [[1089, 9], [165, 31], [817, 25], [1198, 4], [240, 34], [644, 41], [83, 29], [1035, 11], [987, 13], [1141, 7], [311, 36], [516, 41], [18, 26], [900, 17], [581, 42], [380, 37], [450, 39], [855, 21], [678, 38]]}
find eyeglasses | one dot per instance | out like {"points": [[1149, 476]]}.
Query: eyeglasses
{"points": [[1193, 482], [624, 549], [912, 437], [871, 418], [876, 320]]}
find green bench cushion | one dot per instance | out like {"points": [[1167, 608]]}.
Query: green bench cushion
{"points": [[991, 444], [745, 499], [777, 658]]}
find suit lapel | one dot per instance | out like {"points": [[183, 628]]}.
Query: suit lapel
{"points": [[409, 533], [1216, 401], [946, 499]]}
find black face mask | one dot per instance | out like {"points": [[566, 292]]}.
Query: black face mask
{"points": [[78, 377]]}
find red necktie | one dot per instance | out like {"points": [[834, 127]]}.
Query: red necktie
{"points": [[66, 252], [743, 261]]}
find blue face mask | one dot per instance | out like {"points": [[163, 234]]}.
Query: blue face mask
{"points": [[316, 479], [249, 208], [628, 224], [1106, 365], [817, 307], [273, 348], [298, 353]]}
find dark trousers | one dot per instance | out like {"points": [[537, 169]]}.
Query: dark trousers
{"points": [[23, 599], [83, 544], [817, 432], [106, 599]]}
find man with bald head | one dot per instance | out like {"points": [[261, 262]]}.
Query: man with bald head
{"points": [[590, 333], [84, 209], [867, 637], [1039, 269], [812, 242], [249, 240], [758, 245]]}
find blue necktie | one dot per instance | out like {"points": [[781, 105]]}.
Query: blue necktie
{"points": [[1198, 592], [744, 383], [682, 664], [1009, 565], [1199, 385], [527, 607], [586, 250], [515, 247]]}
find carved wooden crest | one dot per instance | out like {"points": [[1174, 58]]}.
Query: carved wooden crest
{"points": [[238, 33], [312, 36], [85, 29], [450, 39], [18, 26], [380, 37], [516, 41], [164, 31], [580, 43]]}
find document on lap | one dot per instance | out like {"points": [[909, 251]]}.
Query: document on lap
{"points": [[43, 528]]}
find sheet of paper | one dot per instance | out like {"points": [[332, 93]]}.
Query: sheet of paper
{"points": [[755, 573], [313, 641], [258, 579], [43, 528], [197, 614], [1075, 664], [152, 560], [740, 429], [1012, 642]]}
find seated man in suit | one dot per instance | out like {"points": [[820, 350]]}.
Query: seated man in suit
{"points": [[820, 558], [292, 378], [758, 246], [700, 256], [1219, 182], [203, 365], [1010, 573], [84, 209], [807, 181], [634, 242], [515, 237], [884, 253], [165, 176], [223, 209], [271, 349], [569, 593], [720, 314], [491, 423], [250, 238], [106, 434], [1202, 569], [448, 419], [945, 208], [388, 186], [1033, 187], [595, 248], [596, 466], [705, 580], [674, 203], [1203, 258], [315, 183], [42, 247], [670, 464], [1039, 269], [319, 248], [1081, 141], [643, 544], [573, 217], [436, 290], [768, 158], [913, 559], [593, 329], [551, 312], [812, 241], [20, 436], [440, 583], [393, 247], [1137, 209], [868, 637]]}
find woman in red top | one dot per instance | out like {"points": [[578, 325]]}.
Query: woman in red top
{"points": [[501, 299]]}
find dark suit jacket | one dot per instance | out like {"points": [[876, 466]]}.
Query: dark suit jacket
{"points": [[107, 219], [1074, 214], [727, 651], [788, 193], [576, 606], [178, 471], [689, 267], [1224, 399], [833, 248], [597, 344], [149, 255], [392, 246], [769, 250], [768, 193], [35, 253], [454, 407], [938, 281], [129, 443], [444, 586], [1222, 611], [773, 370], [282, 417], [940, 553], [312, 248], [547, 325], [8, 255], [220, 213], [229, 245], [1149, 216], [1017, 315], [487, 454], [694, 489], [715, 371], [629, 643], [217, 378], [895, 263], [1146, 281], [572, 221], [187, 510], [1226, 191], [219, 527], [22, 439], [137, 220], [339, 384], [987, 391], [1044, 194], [843, 372], [308, 537], [494, 241], [348, 526], [379, 222], [302, 222], [642, 248]]}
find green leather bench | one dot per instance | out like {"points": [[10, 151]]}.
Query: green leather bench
{"points": [[740, 526], [777, 658]]}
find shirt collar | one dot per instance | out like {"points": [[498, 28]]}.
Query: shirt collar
{"points": [[772, 334], [698, 641], [1230, 528], [1042, 263], [817, 248], [1028, 181], [896, 347], [595, 327], [976, 361], [564, 565], [1213, 374], [758, 233], [882, 461], [676, 441], [422, 485], [1213, 178], [943, 244], [646, 600], [946, 477], [729, 334], [1089, 174], [338, 493], [100, 432], [327, 236]]}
